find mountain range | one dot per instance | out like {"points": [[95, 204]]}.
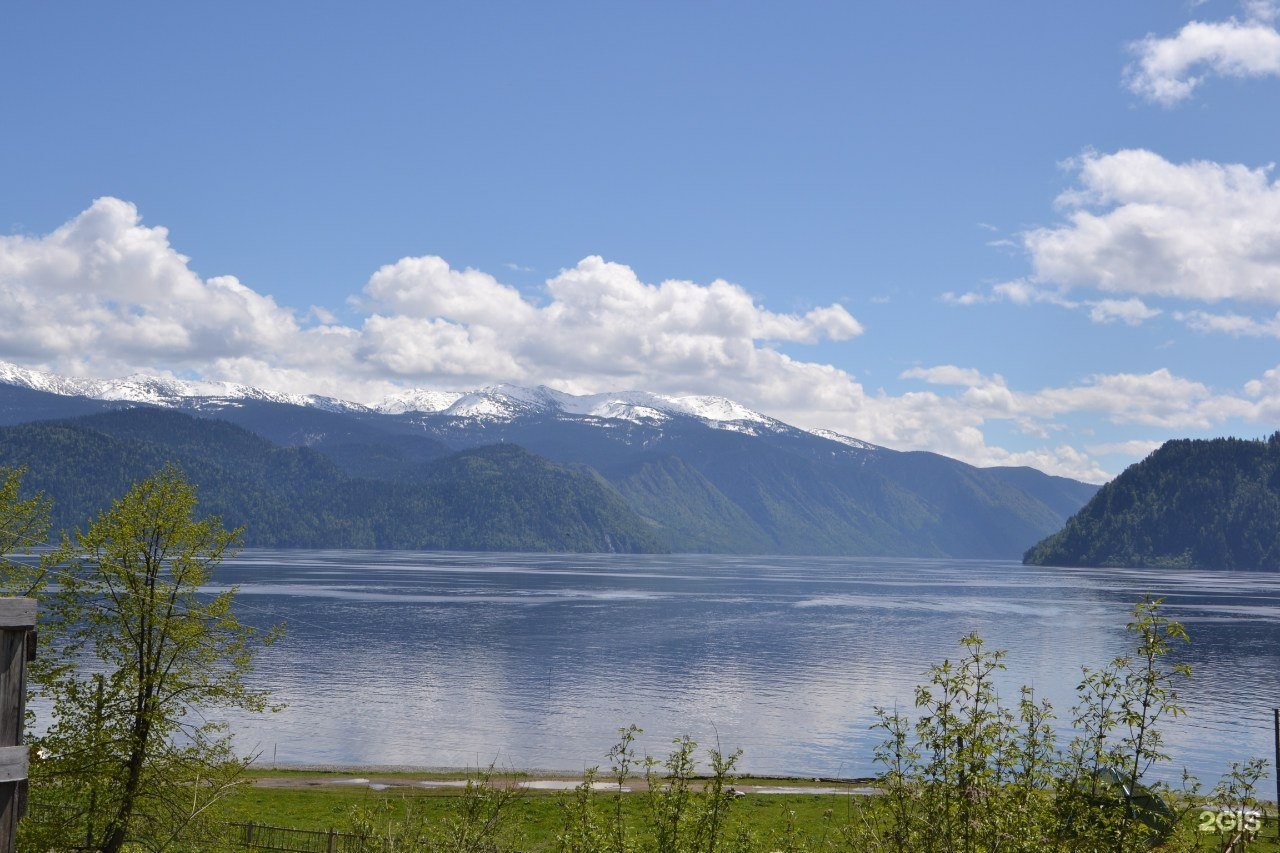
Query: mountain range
{"points": [[515, 468]]}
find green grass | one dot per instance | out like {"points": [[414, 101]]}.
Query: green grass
{"points": [[810, 820], [535, 816]]}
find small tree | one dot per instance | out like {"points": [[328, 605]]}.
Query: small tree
{"points": [[1122, 708], [139, 654]]}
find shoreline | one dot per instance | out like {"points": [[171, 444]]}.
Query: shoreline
{"points": [[442, 779]]}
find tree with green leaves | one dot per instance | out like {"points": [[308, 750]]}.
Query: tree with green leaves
{"points": [[139, 656], [24, 521]]}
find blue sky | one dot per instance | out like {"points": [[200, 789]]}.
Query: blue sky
{"points": [[1014, 233]]}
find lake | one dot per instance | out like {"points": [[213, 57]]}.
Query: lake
{"points": [[534, 661]]}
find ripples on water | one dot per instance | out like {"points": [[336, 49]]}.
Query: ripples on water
{"points": [[535, 661]]}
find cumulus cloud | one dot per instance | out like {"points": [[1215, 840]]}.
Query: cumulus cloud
{"points": [[1168, 70], [600, 326], [106, 295], [428, 287], [1141, 225], [103, 282], [1139, 228]]}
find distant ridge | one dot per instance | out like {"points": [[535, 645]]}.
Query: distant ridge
{"points": [[698, 473]]}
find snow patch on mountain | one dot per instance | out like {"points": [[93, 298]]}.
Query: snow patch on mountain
{"points": [[626, 410], [843, 439], [717, 409], [417, 400], [512, 401]]}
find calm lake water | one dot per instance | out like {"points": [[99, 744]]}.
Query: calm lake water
{"points": [[535, 661]]}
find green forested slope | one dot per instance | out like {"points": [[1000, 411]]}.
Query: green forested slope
{"points": [[690, 513], [1193, 503], [499, 498]]}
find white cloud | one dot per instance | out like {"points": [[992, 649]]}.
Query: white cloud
{"points": [[1239, 325], [427, 287], [1138, 448], [1168, 70], [1152, 399], [601, 328], [969, 298], [1140, 228], [1018, 292], [953, 423], [103, 282], [1269, 384], [1129, 311], [1132, 311], [1265, 395], [949, 374], [105, 296], [1141, 225], [1158, 398]]}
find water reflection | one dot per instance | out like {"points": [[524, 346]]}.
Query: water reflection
{"points": [[535, 660]]}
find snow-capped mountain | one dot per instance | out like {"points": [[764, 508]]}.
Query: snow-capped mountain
{"points": [[12, 374], [508, 402], [495, 403], [158, 390], [700, 473]]}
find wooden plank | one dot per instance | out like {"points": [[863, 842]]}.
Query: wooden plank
{"points": [[13, 763], [9, 807], [13, 685], [17, 612], [13, 694]]}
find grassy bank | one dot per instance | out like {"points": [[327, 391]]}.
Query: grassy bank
{"points": [[533, 820], [305, 799]]}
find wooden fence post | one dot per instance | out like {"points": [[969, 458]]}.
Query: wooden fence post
{"points": [[17, 623]]}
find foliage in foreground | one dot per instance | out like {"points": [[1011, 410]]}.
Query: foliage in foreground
{"points": [[132, 655]]}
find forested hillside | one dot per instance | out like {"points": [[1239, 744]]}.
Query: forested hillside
{"points": [[489, 498], [1211, 504], [628, 471]]}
